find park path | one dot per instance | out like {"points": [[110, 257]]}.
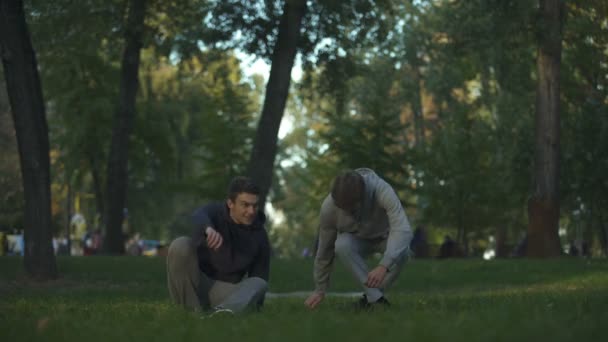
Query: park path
{"points": [[304, 294]]}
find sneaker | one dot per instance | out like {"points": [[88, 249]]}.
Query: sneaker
{"points": [[364, 304], [382, 302]]}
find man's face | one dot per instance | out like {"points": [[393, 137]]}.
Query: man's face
{"points": [[243, 209], [350, 207], [351, 202]]}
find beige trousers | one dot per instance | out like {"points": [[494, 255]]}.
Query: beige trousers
{"points": [[352, 251], [192, 289]]}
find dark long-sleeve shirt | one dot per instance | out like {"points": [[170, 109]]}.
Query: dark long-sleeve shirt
{"points": [[245, 250]]}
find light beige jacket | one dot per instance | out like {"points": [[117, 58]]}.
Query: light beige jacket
{"points": [[380, 216]]}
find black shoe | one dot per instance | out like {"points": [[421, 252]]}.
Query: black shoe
{"points": [[383, 302], [364, 304]]}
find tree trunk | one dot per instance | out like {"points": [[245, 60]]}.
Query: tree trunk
{"points": [[27, 104], [264, 151], [464, 245], [99, 205], [68, 214], [543, 206], [116, 184], [603, 235], [501, 241], [461, 248], [418, 108], [413, 46]]}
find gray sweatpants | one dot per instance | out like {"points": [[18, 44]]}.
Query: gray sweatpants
{"points": [[193, 289], [352, 251]]}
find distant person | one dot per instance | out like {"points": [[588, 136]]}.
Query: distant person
{"points": [[585, 250], [55, 242], [133, 246], [161, 250], [96, 241], [63, 248], [579, 247], [3, 243], [520, 248], [87, 243], [20, 244], [448, 248], [362, 215], [92, 242], [305, 252], [420, 244], [573, 251], [225, 265]]}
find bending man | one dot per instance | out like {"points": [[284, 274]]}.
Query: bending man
{"points": [[361, 216]]}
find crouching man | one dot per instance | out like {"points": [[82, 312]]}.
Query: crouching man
{"points": [[362, 215], [224, 266]]}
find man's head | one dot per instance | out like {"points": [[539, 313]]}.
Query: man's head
{"points": [[243, 197], [347, 190]]}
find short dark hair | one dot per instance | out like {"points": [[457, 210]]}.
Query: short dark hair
{"points": [[241, 184], [347, 189]]}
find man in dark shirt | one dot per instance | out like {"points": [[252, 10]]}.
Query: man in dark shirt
{"points": [[225, 265]]}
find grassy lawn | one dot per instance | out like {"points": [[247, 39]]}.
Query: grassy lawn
{"points": [[125, 299]]}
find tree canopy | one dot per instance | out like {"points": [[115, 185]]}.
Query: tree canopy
{"points": [[439, 97]]}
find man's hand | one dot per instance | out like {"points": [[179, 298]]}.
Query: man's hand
{"points": [[214, 239], [314, 299], [376, 276]]}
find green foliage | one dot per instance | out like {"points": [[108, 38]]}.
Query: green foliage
{"points": [[471, 66], [252, 26], [585, 120], [357, 124], [193, 135], [79, 67], [369, 66], [195, 111], [476, 167]]}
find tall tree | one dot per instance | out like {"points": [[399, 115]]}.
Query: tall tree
{"points": [[584, 138], [414, 50], [25, 96], [116, 186], [275, 31], [11, 189], [183, 151], [261, 162], [543, 206], [83, 87]]}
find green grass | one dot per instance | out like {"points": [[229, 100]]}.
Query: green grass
{"points": [[125, 299]]}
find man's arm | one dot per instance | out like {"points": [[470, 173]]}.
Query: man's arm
{"points": [[204, 229], [325, 250], [261, 264], [400, 233]]}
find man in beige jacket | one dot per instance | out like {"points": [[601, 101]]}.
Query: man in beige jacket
{"points": [[361, 216]]}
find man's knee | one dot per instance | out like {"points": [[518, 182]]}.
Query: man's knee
{"points": [[181, 248], [257, 283], [344, 244]]}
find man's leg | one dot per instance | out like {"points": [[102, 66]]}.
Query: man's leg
{"points": [[352, 250], [183, 275], [248, 294], [395, 269]]}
